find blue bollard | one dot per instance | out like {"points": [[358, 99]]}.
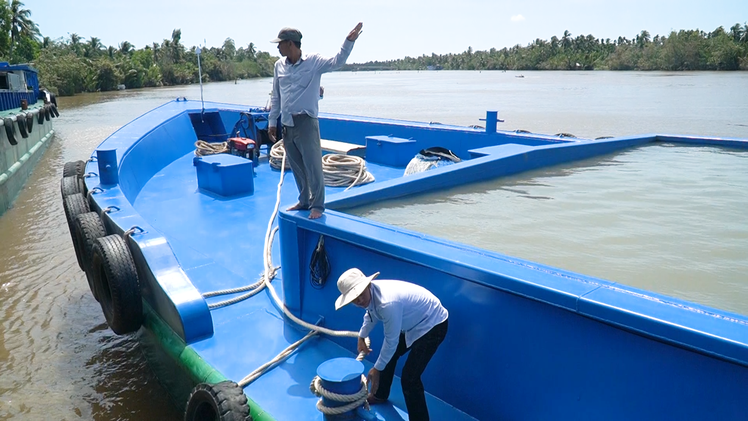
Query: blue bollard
{"points": [[491, 119], [108, 171], [340, 375]]}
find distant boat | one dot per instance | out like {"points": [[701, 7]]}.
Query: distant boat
{"points": [[520, 76], [121, 87], [26, 112]]}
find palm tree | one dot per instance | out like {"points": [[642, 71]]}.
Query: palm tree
{"points": [[21, 24], [125, 47], [94, 47]]}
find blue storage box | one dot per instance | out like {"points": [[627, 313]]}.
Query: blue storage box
{"points": [[225, 175]]}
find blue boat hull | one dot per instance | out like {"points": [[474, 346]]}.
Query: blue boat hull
{"points": [[526, 341]]}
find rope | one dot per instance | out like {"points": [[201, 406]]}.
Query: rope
{"points": [[203, 148], [278, 156], [339, 170], [345, 170], [356, 400]]}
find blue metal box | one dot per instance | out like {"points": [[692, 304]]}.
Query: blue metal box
{"points": [[224, 174]]}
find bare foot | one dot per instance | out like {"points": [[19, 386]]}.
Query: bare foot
{"points": [[315, 213], [297, 206]]}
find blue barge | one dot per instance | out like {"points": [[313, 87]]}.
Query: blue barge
{"points": [[526, 341]]}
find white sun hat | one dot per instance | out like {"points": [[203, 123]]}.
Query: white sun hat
{"points": [[351, 284]]}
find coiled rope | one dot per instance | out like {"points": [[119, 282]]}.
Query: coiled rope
{"points": [[278, 156], [345, 170], [339, 170], [357, 399], [203, 148]]}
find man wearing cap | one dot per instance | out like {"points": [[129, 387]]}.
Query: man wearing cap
{"points": [[414, 320], [295, 98]]}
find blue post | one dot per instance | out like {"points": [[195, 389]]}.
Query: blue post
{"points": [[108, 171], [491, 119], [341, 375]]}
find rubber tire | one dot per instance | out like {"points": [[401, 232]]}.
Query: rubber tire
{"points": [[46, 112], [10, 131], [22, 126], [72, 184], [29, 122], [224, 401], [53, 108], [116, 283], [40, 117], [88, 228], [77, 168], [74, 205]]}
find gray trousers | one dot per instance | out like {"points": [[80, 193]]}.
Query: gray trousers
{"points": [[304, 153]]}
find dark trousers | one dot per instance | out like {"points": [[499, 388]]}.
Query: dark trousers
{"points": [[420, 354], [304, 154]]}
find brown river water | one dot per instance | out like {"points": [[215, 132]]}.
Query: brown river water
{"points": [[58, 358]]}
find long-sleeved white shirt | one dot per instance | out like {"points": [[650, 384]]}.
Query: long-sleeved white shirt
{"points": [[401, 307], [296, 86]]}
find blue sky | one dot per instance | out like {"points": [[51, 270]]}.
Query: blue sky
{"points": [[392, 28]]}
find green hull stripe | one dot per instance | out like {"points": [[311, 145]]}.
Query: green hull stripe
{"points": [[189, 360]]}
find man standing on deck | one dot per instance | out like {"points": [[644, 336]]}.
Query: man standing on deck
{"points": [[414, 320], [295, 98]]}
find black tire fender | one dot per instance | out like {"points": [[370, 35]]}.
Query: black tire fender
{"points": [[76, 168], [40, 116], [46, 112], [71, 184], [29, 122], [74, 205], [88, 228], [53, 108], [224, 401], [115, 280], [10, 131], [22, 126]]}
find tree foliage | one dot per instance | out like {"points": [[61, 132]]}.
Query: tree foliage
{"points": [[682, 50], [72, 65]]}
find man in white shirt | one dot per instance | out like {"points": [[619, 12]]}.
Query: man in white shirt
{"points": [[414, 320], [295, 98]]}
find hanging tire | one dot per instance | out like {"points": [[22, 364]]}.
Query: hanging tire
{"points": [[22, 126], [88, 228], [223, 401], [115, 280], [76, 168], [29, 122], [74, 205], [40, 116], [46, 112], [53, 108], [10, 131], [72, 184]]}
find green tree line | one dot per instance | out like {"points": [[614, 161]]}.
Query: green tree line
{"points": [[74, 65], [682, 50]]}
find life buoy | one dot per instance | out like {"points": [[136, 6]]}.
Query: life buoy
{"points": [[88, 228], [29, 122], [10, 131], [74, 205], [115, 280], [223, 401]]}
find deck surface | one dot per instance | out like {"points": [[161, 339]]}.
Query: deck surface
{"points": [[219, 244]]}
